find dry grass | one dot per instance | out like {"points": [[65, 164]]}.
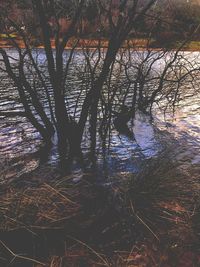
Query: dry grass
{"points": [[146, 222], [42, 206], [162, 194]]}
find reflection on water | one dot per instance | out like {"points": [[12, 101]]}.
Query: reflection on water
{"points": [[185, 124], [145, 136], [19, 142]]}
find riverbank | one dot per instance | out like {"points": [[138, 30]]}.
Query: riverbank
{"points": [[147, 219], [137, 43]]}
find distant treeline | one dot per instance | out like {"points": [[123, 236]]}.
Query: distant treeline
{"points": [[168, 21]]}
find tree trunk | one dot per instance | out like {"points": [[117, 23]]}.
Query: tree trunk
{"points": [[93, 122], [62, 123]]}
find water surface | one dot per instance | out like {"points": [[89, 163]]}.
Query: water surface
{"points": [[19, 141]]}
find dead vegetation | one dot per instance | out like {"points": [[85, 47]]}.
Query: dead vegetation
{"points": [[146, 221]]}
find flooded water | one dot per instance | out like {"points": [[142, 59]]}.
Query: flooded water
{"points": [[20, 142]]}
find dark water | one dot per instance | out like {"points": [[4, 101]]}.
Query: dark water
{"points": [[19, 142]]}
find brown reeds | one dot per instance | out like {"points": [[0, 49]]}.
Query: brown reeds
{"points": [[141, 222], [33, 207]]}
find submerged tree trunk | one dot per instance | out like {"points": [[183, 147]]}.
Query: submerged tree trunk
{"points": [[70, 132]]}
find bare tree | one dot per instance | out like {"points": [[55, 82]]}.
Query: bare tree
{"points": [[57, 69], [113, 72]]}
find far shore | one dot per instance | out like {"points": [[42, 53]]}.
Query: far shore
{"points": [[137, 44]]}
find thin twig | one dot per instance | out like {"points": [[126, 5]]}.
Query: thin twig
{"points": [[140, 219], [19, 256], [53, 189], [91, 249]]}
